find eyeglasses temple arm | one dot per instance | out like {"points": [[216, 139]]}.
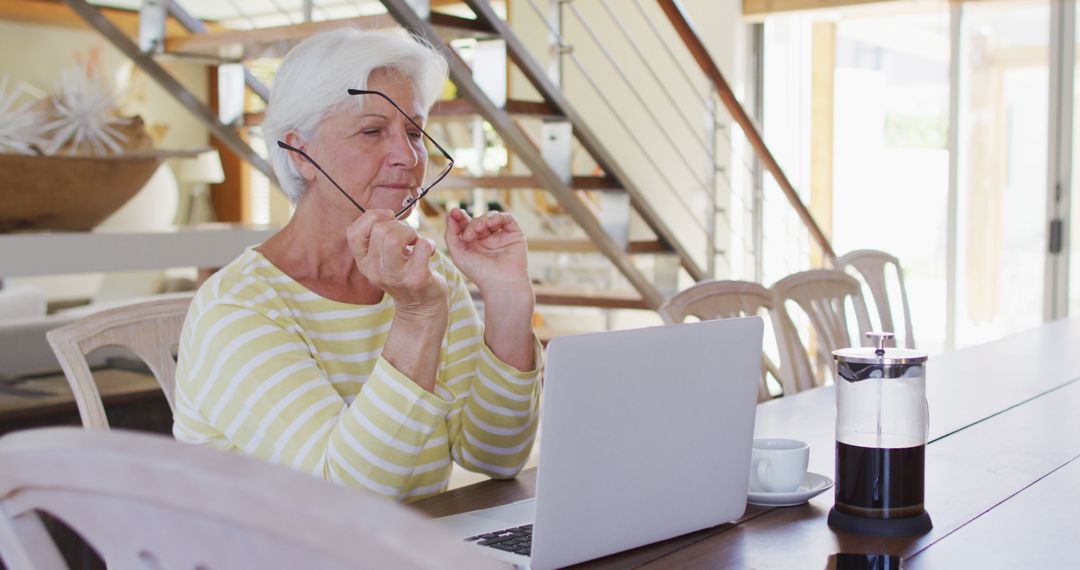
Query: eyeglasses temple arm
{"points": [[328, 177]]}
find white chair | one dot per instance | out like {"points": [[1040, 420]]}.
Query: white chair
{"points": [[710, 300], [146, 501], [822, 294], [870, 264], [150, 329]]}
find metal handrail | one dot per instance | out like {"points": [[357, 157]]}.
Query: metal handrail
{"points": [[693, 42], [618, 117]]}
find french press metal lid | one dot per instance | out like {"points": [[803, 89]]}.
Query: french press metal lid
{"points": [[863, 363]]}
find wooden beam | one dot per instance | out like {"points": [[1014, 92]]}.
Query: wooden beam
{"points": [[525, 182], [51, 13], [649, 246], [585, 246], [296, 32], [581, 245], [548, 295], [215, 40], [822, 104], [455, 107], [441, 20], [451, 108], [756, 10]]}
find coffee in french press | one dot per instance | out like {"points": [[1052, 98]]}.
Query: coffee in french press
{"points": [[881, 430]]}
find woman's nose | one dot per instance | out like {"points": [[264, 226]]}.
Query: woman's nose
{"points": [[403, 151]]}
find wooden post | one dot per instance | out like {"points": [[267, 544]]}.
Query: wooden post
{"points": [[822, 103]]}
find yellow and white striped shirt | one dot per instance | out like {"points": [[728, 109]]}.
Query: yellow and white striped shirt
{"points": [[273, 370]]}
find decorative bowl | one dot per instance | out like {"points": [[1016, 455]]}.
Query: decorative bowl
{"points": [[73, 193]]}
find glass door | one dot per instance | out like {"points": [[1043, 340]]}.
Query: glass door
{"points": [[1002, 190], [891, 149]]}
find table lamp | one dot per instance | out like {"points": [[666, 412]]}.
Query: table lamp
{"points": [[199, 173]]}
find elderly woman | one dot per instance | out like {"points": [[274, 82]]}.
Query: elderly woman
{"points": [[345, 345]]}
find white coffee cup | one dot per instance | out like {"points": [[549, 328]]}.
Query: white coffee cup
{"points": [[778, 465]]}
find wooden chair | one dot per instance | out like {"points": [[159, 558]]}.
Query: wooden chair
{"points": [[710, 300], [870, 264], [822, 294], [150, 329], [145, 501]]}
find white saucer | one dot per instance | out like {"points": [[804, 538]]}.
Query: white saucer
{"points": [[812, 485]]}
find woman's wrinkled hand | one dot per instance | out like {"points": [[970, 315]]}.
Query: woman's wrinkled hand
{"points": [[394, 258], [490, 250]]}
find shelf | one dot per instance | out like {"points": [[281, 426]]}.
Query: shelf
{"points": [[52, 253]]}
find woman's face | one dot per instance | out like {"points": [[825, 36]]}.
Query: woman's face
{"points": [[371, 149]]}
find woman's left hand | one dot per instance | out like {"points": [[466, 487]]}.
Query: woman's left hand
{"points": [[490, 250]]}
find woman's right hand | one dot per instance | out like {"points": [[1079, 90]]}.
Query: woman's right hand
{"points": [[394, 258]]}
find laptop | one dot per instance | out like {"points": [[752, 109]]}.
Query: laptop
{"points": [[645, 435]]}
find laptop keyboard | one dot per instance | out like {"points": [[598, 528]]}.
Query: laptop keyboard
{"points": [[517, 539]]}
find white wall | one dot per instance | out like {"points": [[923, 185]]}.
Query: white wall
{"points": [[37, 54]]}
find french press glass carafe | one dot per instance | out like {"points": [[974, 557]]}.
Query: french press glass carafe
{"points": [[881, 430]]}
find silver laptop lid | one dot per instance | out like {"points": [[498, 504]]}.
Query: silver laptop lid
{"points": [[646, 435]]}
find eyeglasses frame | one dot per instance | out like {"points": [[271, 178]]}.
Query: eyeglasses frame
{"points": [[423, 190]]}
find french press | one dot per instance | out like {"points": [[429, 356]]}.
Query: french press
{"points": [[881, 430]]}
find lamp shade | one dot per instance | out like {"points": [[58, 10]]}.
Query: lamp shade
{"points": [[203, 169]]}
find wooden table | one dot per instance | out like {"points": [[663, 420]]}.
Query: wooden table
{"points": [[1002, 476], [132, 399]]}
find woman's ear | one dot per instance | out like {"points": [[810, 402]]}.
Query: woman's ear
{"points": [[306, 170]]}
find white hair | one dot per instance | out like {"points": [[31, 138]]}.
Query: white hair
{"points": [[313, 81]]}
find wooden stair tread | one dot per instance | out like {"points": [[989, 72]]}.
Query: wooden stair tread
{"points": [[579, 297], [469, 25], [525, 182], [461, 107], [453, 108], [584, 245]]}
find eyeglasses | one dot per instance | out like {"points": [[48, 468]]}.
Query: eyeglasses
{"points": [[409, 200]]}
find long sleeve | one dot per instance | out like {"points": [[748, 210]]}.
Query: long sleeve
{"points": [[494, 418]]}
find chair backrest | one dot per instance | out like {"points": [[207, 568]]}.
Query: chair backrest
{"points": [[871, 263], [150, 329], [146, 501], [821, 293], [722, 300]]}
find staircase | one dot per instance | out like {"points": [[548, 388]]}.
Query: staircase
{"points": [[630, 211]]}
